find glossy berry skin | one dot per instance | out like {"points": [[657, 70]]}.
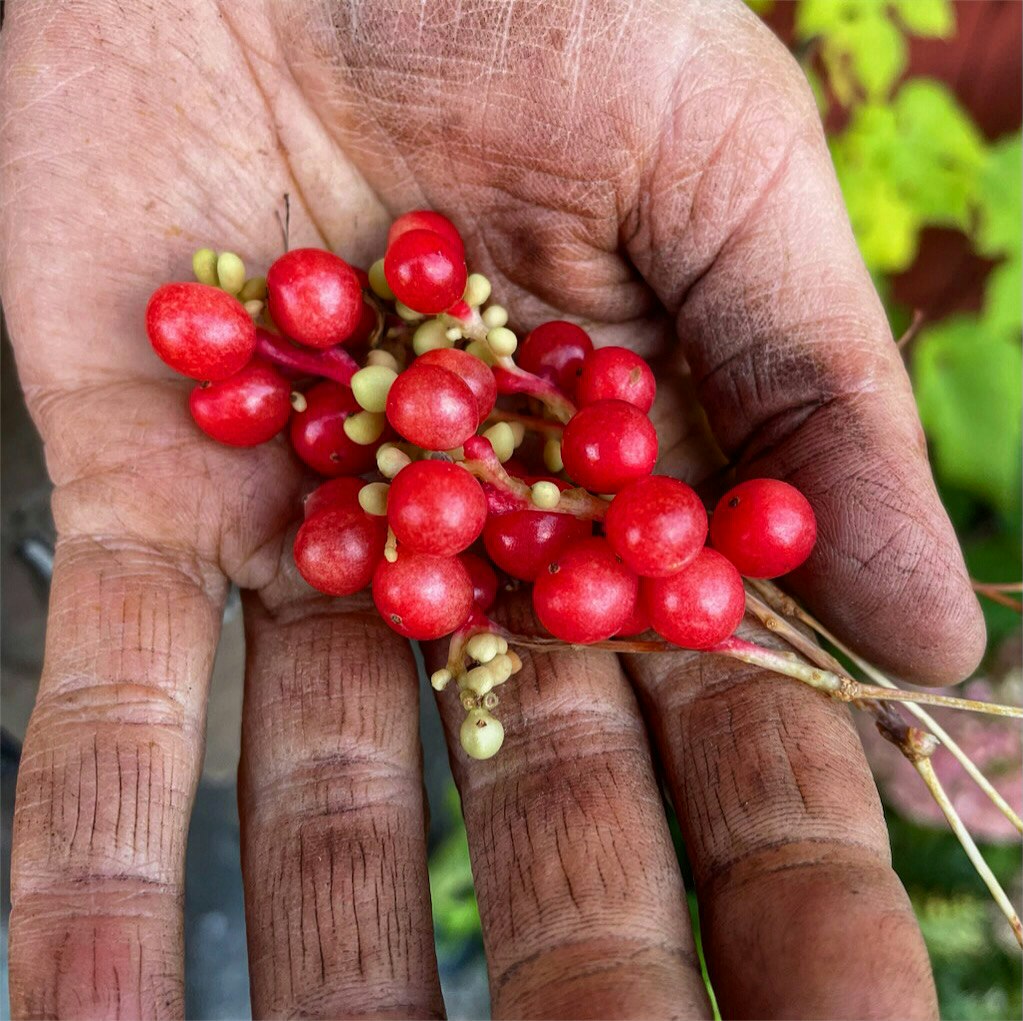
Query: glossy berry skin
{"points": [[314, 297], [607, 445], [319, 437], [765, 527], [246, 409], [425, 219], [432, 407], [337, 549], [422, 596], [616, 374], [483, 578], [555, 351], [200, 331], [656, 525], [638, 621], [339, 492], [523, 542], [586, 593], [477, 376], [436, 507], [700, 606], [425, 270]]}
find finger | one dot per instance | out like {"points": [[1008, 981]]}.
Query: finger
{"points": [[582, 904], [793, 357], [800, 911], [333, 825], [107, 777]]}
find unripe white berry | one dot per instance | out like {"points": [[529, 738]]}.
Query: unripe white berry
{"points": [[230, 272], [410, 315], [545, 495], [365, 427], [481, 350], [500, 668], [496, 315], [481, 734], [516, 662], [552, 456], [204, 266], [430, 336], [482, 648], [502, 645], [479, 680], [253, 307], [391, 460], [373, 498], [378, 356], [378, 282], [477, 290], [454, 334], [440, 679], [518, 433], [254, 288], [502, 341], [371, 385], [501, 439]]}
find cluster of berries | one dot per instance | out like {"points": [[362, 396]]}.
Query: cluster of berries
{"points": [[544, 459]]}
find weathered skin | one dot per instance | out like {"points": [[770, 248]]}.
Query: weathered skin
{"points": [[656, 170]]}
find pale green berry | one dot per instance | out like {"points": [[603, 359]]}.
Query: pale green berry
{"points": [[552, 456], [204, 266], [482, 648], [440, 679], [496, 315], [481, 734], [298, 401], [502, 341], [477, 290], [391, 460], [373, 498], [430, 336], [410, 315], [230, 272], [371, 385], [382, 358], [501, 439], [253, 288], [378, 282], [481, 350], [479, 680], [545, 495], [365, 427]]}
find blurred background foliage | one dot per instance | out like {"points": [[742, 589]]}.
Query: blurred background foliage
{"points": [[932, 181]]}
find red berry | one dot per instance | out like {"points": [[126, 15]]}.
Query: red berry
{"points": [[425, 219], [422, 596], [319, 437], [638, 622], [200, 331], [616, 373], [477, 376], [425, 270], [765, 527], [523, 542], [586, 594], [608, 445], [436, 507], [555, 351], [339, 492], [248, 408], [314, 297], [432, 407], [364, 327], [337, 549], [483, 578], [656, 525], [700, 606]]}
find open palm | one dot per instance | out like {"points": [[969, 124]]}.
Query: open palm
{"points": [[656, 173]]}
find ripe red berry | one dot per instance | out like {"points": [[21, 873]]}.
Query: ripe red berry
{"points": [[555, 351], [616, 373], [656, 525], [200, 331], [425, 270], [586, 594], [765, 527], [339, 492], [246, 409], [314, 297], [436, 507], [476, 375], [700, 606], [607, 445], [337, 549], [319, 437], [483, 578], [425, 219], [432, 407], [523, 542], [422, 596], [638, 621]]}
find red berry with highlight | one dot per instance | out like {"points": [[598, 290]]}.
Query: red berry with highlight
{"points": [[656, 525], [483, 578], [425, 270], [586, 594], [523, 542], [616, 374], [314, 297], [555, 351], [607, 445], [425, 219], [436, 507], [476, 375], [765, 527], [337, 549], [638, 622], [200, 331], [422, 596], [246, 409], [432, 407], [318, 434], [700, 606], [339, 492]]}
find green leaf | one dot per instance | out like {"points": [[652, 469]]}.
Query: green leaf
{"points": [[1003, 297], [933, 18], [877, 51], [824, 17], [1001, 199], [968, 387]]}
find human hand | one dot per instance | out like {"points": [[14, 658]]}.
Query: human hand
{"points": [[655, 173]]}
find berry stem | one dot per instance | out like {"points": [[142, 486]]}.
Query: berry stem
{"points": [[513, 380], [332, 363]]}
